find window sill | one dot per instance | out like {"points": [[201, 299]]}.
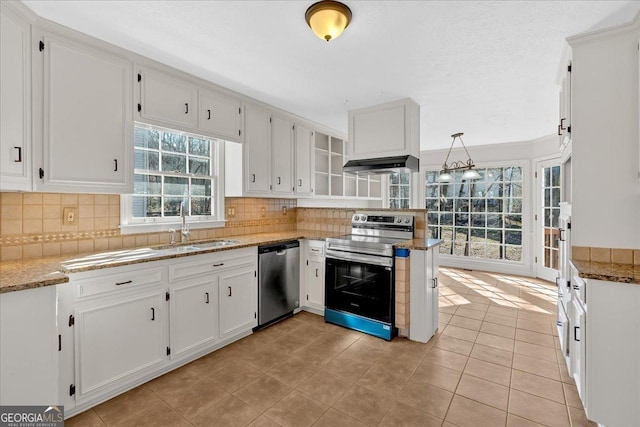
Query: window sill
{"points": [[150, 227]]}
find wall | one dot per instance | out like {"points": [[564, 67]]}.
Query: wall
{"points": [[606, 190], [31, 224], [338, 220]]}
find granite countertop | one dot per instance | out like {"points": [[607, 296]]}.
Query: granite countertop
{"points": [[419, 244], [36, 273], [608, 271]]}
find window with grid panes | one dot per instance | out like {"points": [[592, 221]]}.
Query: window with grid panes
{"points": [[399, 190], [173, 169], [477, 218]]}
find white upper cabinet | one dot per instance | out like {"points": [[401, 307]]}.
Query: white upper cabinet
{"points": [[85, 90], [168, 100], [282, 154], [257, 150], [564, 119], [303, 160], [391, 129], [15, 102], [220, 115]]}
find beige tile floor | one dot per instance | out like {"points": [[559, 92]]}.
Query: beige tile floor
{"points": [[494, 362]]}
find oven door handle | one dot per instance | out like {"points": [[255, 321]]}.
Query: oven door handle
{"points": [[336, 247], [365, 259]]}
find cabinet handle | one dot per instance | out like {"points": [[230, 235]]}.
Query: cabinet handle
{"points": [[575, 333], [278, 180], [115, 165], [253, 177], [218, 265], [19, 155], [317, 273], [186, 108], [229, 290], [208, 114], [559, 323], [433, 281], [560, 234], [562, 124], [299, 183], [153, 313], [576, 287], [207, 295], [124, 283]]}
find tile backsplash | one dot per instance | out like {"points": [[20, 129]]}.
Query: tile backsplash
{"points": [[31, 224], [618, 256]]}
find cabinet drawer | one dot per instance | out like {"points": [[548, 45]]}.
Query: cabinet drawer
{"points": [[316, 247], [211, 263], [101, 284]]}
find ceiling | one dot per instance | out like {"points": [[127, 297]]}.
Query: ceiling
{"points": [[485, 68]]}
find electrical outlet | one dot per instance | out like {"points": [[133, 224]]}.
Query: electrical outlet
{"points": [[263, 211], [231, 212], [69, 216], [284, 210]]}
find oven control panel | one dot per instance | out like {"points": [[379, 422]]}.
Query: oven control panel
{"points": [[363, 219]]}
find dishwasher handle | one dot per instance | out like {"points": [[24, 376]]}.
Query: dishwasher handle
{"points": [[279, 248], [281, 252]]}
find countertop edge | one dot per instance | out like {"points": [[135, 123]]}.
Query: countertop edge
{"points": [[608, 272]]}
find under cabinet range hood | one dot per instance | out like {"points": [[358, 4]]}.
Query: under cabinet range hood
{"points": [[382, 165]]}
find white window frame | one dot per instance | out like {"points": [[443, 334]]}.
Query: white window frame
{"points": [[132, 225], [513, 267]]}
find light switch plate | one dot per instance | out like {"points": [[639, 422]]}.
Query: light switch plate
{"points": [[69, 216]]}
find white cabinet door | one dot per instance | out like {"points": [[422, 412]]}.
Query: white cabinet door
{"points": [[304, 160], [390, 129], [167, 100], [577, 348], [564, 125], [238, 295], [220, 115], [282, 155], [15, 102], [257, 150], [119, 339], [193, 315], [435, 291], [87, 127], [315, 283]]}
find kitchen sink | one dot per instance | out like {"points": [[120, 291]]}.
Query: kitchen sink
{"points": [[196, 247]]}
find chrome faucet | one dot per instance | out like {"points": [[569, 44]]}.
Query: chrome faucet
{"points": [[184, 231]]}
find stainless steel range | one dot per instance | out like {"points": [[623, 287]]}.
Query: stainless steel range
{"points": [[360, 280]]}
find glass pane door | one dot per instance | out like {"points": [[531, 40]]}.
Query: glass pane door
{"points": [[550, 181]]}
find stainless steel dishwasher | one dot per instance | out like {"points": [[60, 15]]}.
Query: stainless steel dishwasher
{"points": [[278, 281]]}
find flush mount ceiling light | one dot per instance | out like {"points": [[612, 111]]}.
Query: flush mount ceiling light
{"points": [[328, 19], [469, 173]]}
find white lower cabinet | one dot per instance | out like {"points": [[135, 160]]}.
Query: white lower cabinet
{"points": [[238, 296], [604, 349], [193, 314], [424, 291], [118, 339], [120, 327], [313, 273]]}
